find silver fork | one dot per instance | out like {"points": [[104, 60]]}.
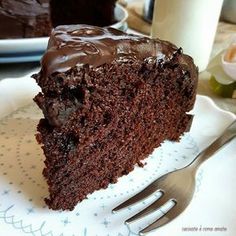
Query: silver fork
{"points": [[177, 186]]}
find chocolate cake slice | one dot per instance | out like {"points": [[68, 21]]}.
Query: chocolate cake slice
{"points": [[109, 98]]}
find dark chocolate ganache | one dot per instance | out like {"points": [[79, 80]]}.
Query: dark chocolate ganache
{"points": [[77, 45]]}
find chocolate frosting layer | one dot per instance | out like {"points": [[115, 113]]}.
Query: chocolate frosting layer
{"points": [[77, 45]]}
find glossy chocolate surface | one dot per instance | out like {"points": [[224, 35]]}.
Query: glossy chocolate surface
{"points": [[77, 45]]}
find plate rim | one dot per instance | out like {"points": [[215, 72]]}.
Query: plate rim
{"points": [[211, 101]]}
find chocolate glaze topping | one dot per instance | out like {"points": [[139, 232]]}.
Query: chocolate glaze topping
{"points": [[77, 45]]}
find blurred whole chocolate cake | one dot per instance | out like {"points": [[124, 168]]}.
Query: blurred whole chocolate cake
{"points": [[24, 18], [91, 12], [35, 18]]}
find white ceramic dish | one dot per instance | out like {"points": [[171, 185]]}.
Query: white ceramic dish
{"points": [[31, 49], [22, 187]]}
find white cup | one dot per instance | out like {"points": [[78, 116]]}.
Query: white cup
{"points": [[190, 24]]}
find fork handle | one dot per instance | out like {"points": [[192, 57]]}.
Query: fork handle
{"points": [[225, 138]]}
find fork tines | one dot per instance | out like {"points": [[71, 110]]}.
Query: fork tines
{"points": [[157, 204]]}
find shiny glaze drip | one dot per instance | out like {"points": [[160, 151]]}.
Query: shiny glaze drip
{"points": [[77, 45]]}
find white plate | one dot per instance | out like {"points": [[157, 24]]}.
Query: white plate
{"points": [[22, 187], [26, 45], [31, 49]]}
